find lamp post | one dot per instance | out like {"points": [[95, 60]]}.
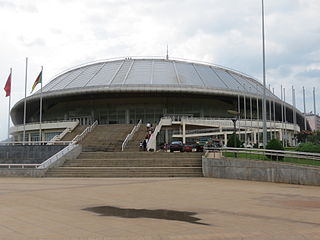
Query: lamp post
{"points": [[234, 120]]}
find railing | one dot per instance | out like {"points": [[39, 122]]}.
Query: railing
{"points": [[58, 137], [19, 165], [81, 136], [152, 143], [61, 135], [27, 143], [194, 131], [56, 156], [275, 155], [130, 135]]}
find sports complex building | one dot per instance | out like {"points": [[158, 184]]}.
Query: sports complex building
{"points": [[182, 99]]}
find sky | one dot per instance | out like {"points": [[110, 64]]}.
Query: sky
{"points": [[61, 34]]}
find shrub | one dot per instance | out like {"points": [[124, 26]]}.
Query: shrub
{"points": [[274, 144], [309, 147], [314, 137], [231, 141]]}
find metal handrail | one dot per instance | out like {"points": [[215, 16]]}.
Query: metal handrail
{"points": [[79, 137], [61, 135], [56, 156], [71, 145], [21, 165], [277, 153], [30, 143], [130, 135]]}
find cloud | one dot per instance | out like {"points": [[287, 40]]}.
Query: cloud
{"points": [[35, 42], [7, 4], [31, 8], [313, 73]]}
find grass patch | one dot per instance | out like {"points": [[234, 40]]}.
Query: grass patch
{"points": [[254, 156]]}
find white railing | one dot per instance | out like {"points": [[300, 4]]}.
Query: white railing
{"points": [[130, 135], [277, 154], [71, 145], [19, 165], [152, 143], [81, 136], [61, 135], [57, 156], [31, 143]]}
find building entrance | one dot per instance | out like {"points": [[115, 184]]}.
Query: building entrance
{"points": [[84, 120]]}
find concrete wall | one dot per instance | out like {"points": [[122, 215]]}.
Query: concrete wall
{"points": [[34, 172], [22, 172], [28, 153], [266, 171]]}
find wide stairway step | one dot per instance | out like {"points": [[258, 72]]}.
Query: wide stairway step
{"points": [[108, 138], [126, 172], [131, 164]]}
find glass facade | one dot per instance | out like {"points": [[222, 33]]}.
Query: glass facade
{"points": [[132, 109]]}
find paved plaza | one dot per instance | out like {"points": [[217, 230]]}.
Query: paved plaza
{"points": [[156, 208]]}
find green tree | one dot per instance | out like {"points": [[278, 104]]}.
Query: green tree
{"points": [[232, 140]]}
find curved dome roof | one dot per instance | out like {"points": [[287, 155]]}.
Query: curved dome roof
{"points": [[153, 74]]}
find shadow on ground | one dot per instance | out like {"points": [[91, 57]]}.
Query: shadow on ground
{"points": [[146, 213]]}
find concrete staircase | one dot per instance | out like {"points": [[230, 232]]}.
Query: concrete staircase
{"points": [[134, 144], [131, 164], [71, 135], [107, 138]]}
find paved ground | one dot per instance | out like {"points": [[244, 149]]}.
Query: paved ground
{"points": [[53, 209]]}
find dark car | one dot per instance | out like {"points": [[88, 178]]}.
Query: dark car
{"points": [[187, 148], [203, 141], [176, 146]]}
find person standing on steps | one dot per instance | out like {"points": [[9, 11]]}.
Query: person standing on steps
{"points": [[144, 144]]}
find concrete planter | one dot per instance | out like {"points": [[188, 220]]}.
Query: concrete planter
{"points": [[254, 170]]}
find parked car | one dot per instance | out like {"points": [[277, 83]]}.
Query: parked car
{"points": [[203, 141], [176, 146], [187, 148]]}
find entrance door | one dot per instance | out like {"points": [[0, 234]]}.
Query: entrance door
{"points": [[84, 120]]}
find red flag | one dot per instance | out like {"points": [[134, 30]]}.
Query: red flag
{"points": [[7, 87]]}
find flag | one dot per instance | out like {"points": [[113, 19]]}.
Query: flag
{"points": [[7, 87], [38, 80]]}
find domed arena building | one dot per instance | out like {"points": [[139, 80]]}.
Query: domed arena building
{"points": [[194, 96]]}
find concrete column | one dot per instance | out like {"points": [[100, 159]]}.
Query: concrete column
{"points": [[183, 132], [225, 139], [254, 137], [280, 135], [167, 136], [128, 116]]}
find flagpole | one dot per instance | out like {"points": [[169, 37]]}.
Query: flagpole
{"points": [[25, 103], [9, 103], [304, 108], [40, 117], [264, 105]]}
